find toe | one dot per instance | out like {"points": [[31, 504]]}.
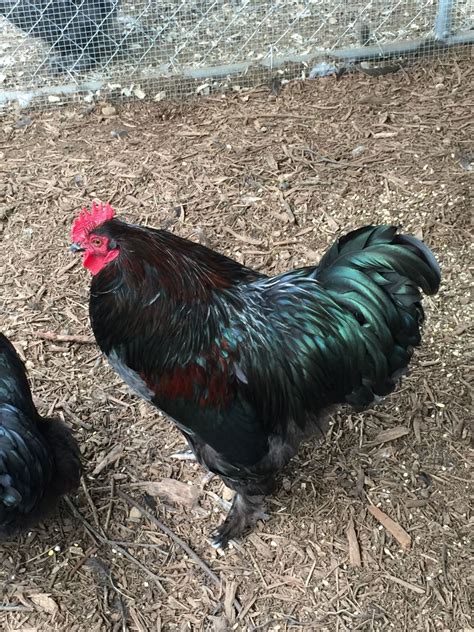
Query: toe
{"points": [[183, 455], [219, 540]]}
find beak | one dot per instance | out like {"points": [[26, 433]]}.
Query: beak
{"points": [[76, 248]]}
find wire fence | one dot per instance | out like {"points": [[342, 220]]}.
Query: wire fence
{"points": [[55, 50]]}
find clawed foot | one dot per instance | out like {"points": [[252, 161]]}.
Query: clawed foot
{"points": [[183, 455], [243, 515]]}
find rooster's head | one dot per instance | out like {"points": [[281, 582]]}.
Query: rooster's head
{"points": [[89, 238]]}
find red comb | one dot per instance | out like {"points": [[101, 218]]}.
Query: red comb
{"points": [[87, 221]]}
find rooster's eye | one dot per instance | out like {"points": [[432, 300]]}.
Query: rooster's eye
{"points": [[96, 242]]}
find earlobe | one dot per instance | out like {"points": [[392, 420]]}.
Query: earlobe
{"points": [[112, 244]]}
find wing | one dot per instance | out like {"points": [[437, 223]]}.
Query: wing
{"points": [[195, 378], [303, 351], [14, 387], [25, 468]]}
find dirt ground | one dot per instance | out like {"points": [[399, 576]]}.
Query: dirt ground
{"points": [[271, 180]]}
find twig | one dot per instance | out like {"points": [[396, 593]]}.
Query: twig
{"points": [[188, 550], [444, 562], [209, 572], [244, 238], [292, 116], [402, 582], [103, 540], [389, 435], [111, 504], [354, 549], [111, 457], [15, 607], [73, 417], [392, 527], [50, 335], [90, 501]]}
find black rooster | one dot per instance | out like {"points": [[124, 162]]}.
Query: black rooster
{"points": [[39, 458], [246, 365], [81, 32]]}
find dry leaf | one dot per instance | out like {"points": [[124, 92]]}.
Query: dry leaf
{"points": [[44, 602], [173, 491]]}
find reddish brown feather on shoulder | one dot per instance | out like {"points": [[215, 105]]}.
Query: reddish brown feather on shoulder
{"points": [[211, 385]]}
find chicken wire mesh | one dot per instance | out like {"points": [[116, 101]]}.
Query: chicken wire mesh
{"points": [[52, 50]]}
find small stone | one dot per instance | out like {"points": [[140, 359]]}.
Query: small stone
{"points": [[139, 93], [109, 110], [204, 89], [227, 493], [119, 133], [357, 151], [24, 122], [6, 210], [134, 515]]}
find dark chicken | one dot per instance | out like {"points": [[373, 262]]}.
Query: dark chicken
{"points": [[247, 365], [39, 458], [81, 32]]}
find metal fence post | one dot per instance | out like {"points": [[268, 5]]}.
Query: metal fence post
{"points": [[444, 19]]}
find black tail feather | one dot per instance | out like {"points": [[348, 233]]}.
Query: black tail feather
{"points": [[39, 458], [377, 274]]}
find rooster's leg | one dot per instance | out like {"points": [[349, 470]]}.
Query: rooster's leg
{"points": [[244, 513]]}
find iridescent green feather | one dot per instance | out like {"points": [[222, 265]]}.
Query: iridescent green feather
{"points": [[342, 332]]}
